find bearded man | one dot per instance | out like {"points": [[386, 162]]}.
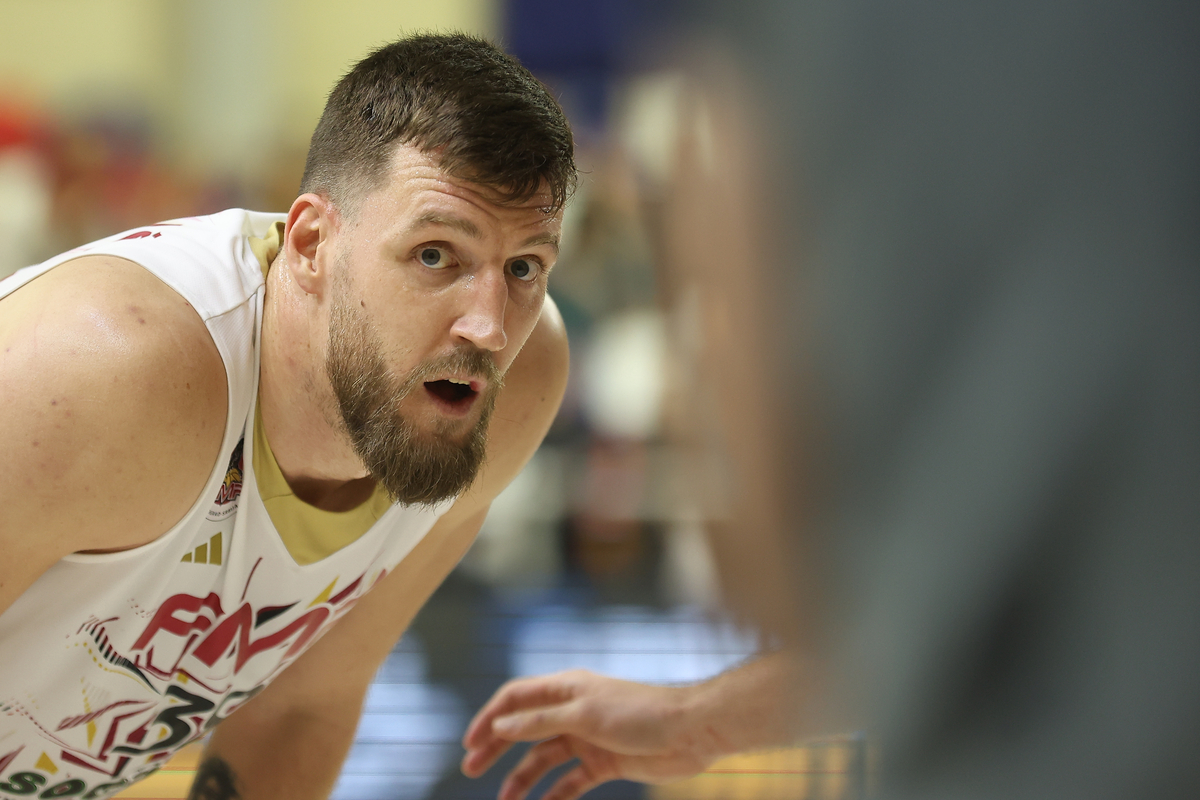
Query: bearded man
{"points": [[244, 449]]}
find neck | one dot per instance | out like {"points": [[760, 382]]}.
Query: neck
{"points": [[299, 412]]}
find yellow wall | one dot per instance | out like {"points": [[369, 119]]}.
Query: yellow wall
{"points": [[68, 50], [322, 45], [215, 89]]}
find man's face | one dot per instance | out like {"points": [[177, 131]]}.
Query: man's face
{"points": [[413, 467], [435, 289]]}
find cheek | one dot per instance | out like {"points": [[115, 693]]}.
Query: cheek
{"points": [[519, 322], [403, 338], [525, 301], [527, 310]]}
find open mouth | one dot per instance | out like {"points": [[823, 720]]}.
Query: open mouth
{"points": [[456, 394]]}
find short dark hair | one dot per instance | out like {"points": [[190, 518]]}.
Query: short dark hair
{"points": [[487, 119]]}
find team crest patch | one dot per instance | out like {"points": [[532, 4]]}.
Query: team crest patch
{"points": [[231, 488]]}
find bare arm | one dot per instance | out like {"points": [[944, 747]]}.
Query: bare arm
{"points": [[113, 398], [290, 741], [618, 729]]}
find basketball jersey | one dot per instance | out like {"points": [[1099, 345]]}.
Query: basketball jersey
{"points": [[111, 662]]}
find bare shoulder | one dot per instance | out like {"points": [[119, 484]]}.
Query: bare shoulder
{"points": [[115, 405], [533, 391]]}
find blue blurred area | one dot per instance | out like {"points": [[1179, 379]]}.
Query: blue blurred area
{"points": [[580, 49], [469, 639]]}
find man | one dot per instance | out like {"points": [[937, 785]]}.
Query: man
{"points": [[222, 432]]}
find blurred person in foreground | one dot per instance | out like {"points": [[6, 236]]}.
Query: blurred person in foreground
{"points": [[984, 268], [243, 449]]}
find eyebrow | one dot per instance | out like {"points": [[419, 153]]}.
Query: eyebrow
{"points": [[550, 239], [432, 218]]}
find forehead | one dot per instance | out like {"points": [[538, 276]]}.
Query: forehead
{"points": [[417, 186]]}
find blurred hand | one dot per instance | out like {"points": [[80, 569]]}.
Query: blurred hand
{"points": [[617, 729]]}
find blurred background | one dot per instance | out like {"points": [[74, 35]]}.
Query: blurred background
{"points": [[118, 113]]}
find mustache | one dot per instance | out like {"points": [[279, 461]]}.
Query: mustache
{"points": [[466, 359]]}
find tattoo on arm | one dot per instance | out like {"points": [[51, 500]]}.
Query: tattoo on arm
{"points": [[214, 781]]}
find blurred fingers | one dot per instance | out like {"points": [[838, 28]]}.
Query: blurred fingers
{"points": [[540, 759], [518, 695], [572, 785], [480, 758], [541, 723]]}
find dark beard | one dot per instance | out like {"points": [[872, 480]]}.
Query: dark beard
{"points": [[413, 468]]}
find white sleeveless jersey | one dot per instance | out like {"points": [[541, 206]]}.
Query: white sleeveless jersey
{"points": [[110, 663]]}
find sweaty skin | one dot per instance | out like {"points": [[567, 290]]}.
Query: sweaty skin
{"points": [[98, 358], [106, 375]]}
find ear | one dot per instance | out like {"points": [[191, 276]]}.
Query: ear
{"points": [[307, 240]]}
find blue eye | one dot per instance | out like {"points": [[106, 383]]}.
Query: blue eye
{"points": [[523, 270], [431, 257]]}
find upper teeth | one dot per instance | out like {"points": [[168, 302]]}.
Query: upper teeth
{"points": [[460, 383]]}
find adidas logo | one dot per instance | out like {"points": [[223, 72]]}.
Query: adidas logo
{"points": [[209, 553]]}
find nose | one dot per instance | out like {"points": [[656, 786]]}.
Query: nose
{"points": [[481, 321]]}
